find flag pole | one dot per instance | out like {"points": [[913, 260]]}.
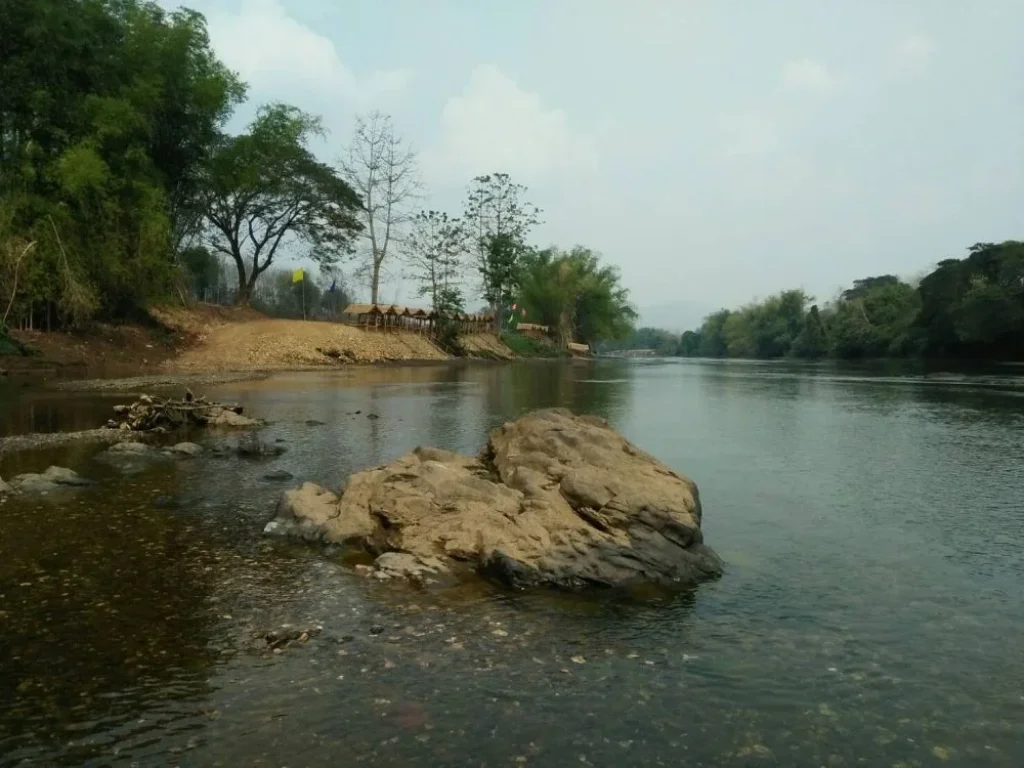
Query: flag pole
{"points": [[303, 294]]}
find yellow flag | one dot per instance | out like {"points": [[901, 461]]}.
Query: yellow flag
{"points": [[298, 275]]}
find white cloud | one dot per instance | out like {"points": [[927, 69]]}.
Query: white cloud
{"points": [[276, 54], [807, 75], [912, 55], [495, 125]]}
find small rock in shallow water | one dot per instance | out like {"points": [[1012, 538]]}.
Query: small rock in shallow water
{"points": [[52, 479], [278, 475], [186, 449], [130, 448], [942, 753], [392, 565], [251, 445], [227, 418], [4, 487]]}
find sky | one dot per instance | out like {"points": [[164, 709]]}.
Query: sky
{"points": [[716, 151]]}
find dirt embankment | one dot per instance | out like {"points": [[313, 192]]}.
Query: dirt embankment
{"points": [[267, 344], [208, 339]]}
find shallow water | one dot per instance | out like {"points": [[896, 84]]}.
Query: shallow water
{"points": [[872, 612]]}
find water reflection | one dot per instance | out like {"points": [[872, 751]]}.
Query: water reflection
{"points": [[872, 612]]}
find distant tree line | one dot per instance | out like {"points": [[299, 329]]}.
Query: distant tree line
{"points": [[119, 186], [969, 308]]}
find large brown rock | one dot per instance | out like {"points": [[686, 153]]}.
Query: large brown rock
{"points": [[554, 499]]}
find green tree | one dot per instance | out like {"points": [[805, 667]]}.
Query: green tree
{"points": [[874, 319], [448, 304], [974, 307], [575, 294], [812, 341], [501, 271], [434, 251], [107, 114], [267, 191], [498, 220], [712, 334], [690, 344], [279, 295], [204, 272]]}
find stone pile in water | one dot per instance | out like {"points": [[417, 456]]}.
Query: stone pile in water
{"points": [[150, 413], [554, 499]]}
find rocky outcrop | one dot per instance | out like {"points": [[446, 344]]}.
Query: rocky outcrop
{"points": [[554, 499]]}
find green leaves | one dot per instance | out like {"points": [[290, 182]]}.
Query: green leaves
{"points": [[266, 190], [576, 295], [108, 114], [971, 308]]}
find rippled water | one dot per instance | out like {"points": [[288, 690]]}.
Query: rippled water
{"points": [[872, 612]]}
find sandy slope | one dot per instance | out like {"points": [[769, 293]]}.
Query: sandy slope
{"points": [[485, 345], [270, 344]]}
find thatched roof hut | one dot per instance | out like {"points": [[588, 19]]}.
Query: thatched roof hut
{"points": [[361, 309]]}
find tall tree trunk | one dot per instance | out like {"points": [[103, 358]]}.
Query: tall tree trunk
{"points": [[375, 282], [244, 287]]}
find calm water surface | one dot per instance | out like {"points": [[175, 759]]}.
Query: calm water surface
{"points": [[872, 612]]}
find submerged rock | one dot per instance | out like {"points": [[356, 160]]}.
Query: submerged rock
{"points": [[130, 448], [4, 487], [54, 478], [185, 449], [228, 418], [278, 475], [422, 570], [554, 499], [252, 446]]}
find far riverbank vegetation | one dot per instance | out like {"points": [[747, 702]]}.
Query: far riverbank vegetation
{"points": [[970, 308]]}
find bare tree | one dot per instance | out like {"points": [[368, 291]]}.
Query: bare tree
{"points": [[382, 169]]}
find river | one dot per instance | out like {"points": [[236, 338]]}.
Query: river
{"points": [[871, 613]]}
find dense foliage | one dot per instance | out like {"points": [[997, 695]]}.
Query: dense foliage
{"points": [[573, 293], [966, 308], [108, 112]]}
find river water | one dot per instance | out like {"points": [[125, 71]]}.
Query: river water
{"points": [[872, 611]]}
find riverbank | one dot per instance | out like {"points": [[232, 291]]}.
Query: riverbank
{"points": [[213, 340]]}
